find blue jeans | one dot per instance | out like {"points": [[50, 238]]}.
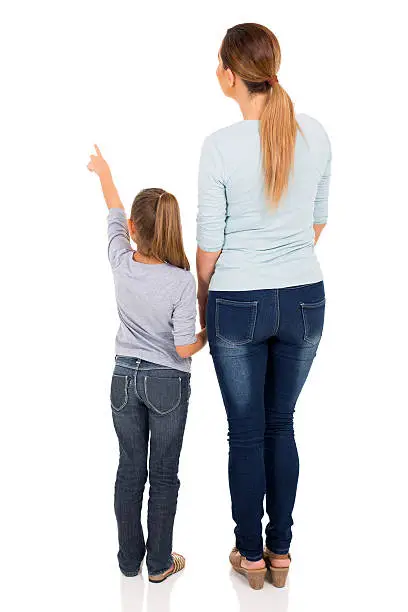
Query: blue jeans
{"points": [[263, 343], [147, 398]]}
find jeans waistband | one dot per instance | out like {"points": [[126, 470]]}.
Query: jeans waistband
{"points": [[135, 363]]}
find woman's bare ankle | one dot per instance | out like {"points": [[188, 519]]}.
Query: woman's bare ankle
{"points": [[252, 564], [277, 560]]}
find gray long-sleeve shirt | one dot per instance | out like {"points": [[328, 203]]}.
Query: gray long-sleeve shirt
{"points": [[262, 247], [156, 302]]}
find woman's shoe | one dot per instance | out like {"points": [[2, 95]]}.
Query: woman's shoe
{"points": [[178, 564], [256, 577], [278, 566]]}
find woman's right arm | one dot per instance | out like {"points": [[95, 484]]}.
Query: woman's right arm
{"points": [[212, 206], [205, 269]]}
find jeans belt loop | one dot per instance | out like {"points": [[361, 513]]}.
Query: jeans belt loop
{"points": [[135, 378]]}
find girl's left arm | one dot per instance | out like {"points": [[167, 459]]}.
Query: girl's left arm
{"points": [[100, 166]]}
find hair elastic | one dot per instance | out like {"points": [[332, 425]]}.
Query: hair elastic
{"points": [[273, 80]]}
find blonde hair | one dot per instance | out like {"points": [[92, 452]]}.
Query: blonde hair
{"points": [[253, 53], [156, 217]]}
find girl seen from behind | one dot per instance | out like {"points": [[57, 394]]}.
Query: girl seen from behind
{"points": [[150, 389]]}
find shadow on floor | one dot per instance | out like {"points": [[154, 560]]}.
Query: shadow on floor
{"points": [[157, 595], [270, 598]]}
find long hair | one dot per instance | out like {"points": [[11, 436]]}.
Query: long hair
{"points": [[252, 52], [156, 217]]}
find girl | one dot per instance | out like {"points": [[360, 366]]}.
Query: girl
{"points": [[263, 191], [150, 388]]}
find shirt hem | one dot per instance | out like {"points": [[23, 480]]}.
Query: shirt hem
{"points": [[256, 284], [155, 358]]}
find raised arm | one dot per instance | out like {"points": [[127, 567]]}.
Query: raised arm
{"points": [[100, 166], [118, 232]]}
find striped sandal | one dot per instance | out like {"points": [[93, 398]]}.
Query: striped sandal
{"points": [[280, 568], [179, 563], [256, 577]]}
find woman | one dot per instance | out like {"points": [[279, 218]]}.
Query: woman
{"points": [[263, 189]]}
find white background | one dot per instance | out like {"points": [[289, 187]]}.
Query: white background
{"points": [[139, 80]]}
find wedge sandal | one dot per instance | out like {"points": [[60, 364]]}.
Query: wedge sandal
{"points": [[256, 577], [179, 563], [279, 571]]}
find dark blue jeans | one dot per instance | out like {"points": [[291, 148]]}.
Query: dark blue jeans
{"points": [[263, 343], [147, 398]]}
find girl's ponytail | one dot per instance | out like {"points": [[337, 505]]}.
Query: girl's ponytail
{"points": [[167, 244], [278, 138]]}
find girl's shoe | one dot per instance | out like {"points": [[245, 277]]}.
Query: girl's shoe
{"points": [[256, 577], [278, 566], [179, 563]]}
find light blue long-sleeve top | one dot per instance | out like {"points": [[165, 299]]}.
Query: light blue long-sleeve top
{"points": [[263, 247]]}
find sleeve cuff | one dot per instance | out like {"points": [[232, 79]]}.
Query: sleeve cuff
{"points": [[116, 212], [209, 249], [185, 340]]}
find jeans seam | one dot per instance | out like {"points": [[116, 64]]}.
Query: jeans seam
{"points": [[135, 382], [277, 314], [155, 368]]}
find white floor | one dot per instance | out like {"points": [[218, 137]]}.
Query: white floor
{"points": [[348, 545], [138, 79]]}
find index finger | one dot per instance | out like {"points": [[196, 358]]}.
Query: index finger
{"points": [[98, 150]]}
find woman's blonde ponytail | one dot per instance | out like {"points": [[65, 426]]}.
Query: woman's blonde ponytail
{"points": [[278, 138], [252, 52]]}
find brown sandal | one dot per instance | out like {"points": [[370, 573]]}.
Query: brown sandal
{"points": [[179, 563], [279, 571], [256, 577]]}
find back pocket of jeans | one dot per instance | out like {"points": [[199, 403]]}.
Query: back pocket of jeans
{"points": [[313, 319], [163, 395], [119, 392], [235, 321]]}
